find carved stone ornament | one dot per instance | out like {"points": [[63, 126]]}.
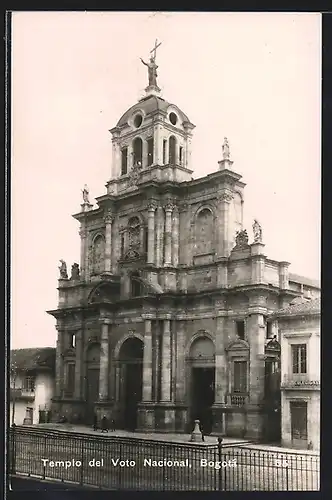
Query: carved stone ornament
{"points": [[134, 174], [132, 254], [108, 217], [63, 270], [225, 197], [241, 239], [169, 207], [257, 230], [75, 272], [152, 206]]}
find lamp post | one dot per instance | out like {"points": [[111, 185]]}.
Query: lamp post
{"points": [[13, 373]]}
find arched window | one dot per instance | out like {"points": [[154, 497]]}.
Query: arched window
{"points": [[204, 232], [137, 151], [181, 155], [98, 254], [172, 150], [150, 151]]}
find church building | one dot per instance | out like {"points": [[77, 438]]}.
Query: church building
{"points": [[165, 319]]}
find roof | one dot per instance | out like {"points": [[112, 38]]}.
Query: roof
{"points": [[302, 308], [33, 359], [305, 281], [149, 105]]}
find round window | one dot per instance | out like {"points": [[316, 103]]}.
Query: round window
{"points": [[173, 118], [138, 120]]}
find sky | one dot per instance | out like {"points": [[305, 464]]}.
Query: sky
{"points": [[252, 77]]}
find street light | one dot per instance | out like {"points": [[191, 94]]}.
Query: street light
{"points": [[13, 373]]}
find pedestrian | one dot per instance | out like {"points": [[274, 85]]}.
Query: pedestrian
{"points": [[104, 424], [95, 422]]}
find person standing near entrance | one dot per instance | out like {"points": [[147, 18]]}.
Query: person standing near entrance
{"points": [[104, 424]]}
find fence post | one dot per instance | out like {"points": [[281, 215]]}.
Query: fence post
{"points": [[220, 440], [13, 449], [82, 461]]}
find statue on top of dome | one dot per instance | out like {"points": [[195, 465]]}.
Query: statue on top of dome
{"points": [[152, 66]]}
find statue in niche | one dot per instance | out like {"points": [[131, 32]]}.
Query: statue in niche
{"points": [[63, 270], [257, 230], [75, 272], [241, 239], [85, 193]]}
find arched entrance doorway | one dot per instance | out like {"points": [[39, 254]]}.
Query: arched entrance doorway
{"points": [[202, 368], [92, 380], [131, 368]]}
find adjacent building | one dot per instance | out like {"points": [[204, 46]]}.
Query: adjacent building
{"points": [[299, 331], [32, 382], [165, 318]]}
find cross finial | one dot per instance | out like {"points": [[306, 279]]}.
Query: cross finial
{"points": [[156, 45]]}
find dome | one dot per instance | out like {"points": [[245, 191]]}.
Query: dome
{"points": [[150, 105]]}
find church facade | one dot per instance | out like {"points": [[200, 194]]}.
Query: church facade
{"points": [[165, 319]]}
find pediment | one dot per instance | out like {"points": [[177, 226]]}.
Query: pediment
{"points": [[238, 345], [70, 352]]}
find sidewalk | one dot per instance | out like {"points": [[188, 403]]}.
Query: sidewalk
{"points": [[177, 438], [167, 437]]}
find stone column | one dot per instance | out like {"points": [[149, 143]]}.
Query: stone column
{"points": [[83, 234], [256, 335], [147, 362], [224, 201], [175, 237], [221, 360], [160, 237], [108, 219], [78, 364], [59, 371], [168, 234], [104, 360], [180, 392], [151, 233], [166, 362]]}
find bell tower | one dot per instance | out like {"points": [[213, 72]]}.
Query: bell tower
{"points": [[152, 139]]}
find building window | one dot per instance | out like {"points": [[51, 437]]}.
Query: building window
{"points": [[268, 329], [28, 384], [172, 150], [181, 155], [164, 151], [204, 232], [150, 151], [124, 161], [136, 286], [240, 329], [299, 358], [240, 376], [98, 254], [72, 340], [137, 151], [70, 378]]}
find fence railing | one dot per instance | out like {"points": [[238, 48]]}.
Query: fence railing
{"points": [[125, 463]]}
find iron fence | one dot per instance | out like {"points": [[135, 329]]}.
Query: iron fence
{"points": [[123, 463]]}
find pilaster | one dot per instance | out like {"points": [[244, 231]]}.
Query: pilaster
{"points": [[78, 364], [109, 218], [151, 232], [180, 390], [160, 236], [166, 362], [175, 237], [147, 362], [224, 200], [168, 234], [104, 360]]}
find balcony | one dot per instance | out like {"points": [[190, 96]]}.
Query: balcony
{"points": [[237, 399], [19, 394], [300, 381]]}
